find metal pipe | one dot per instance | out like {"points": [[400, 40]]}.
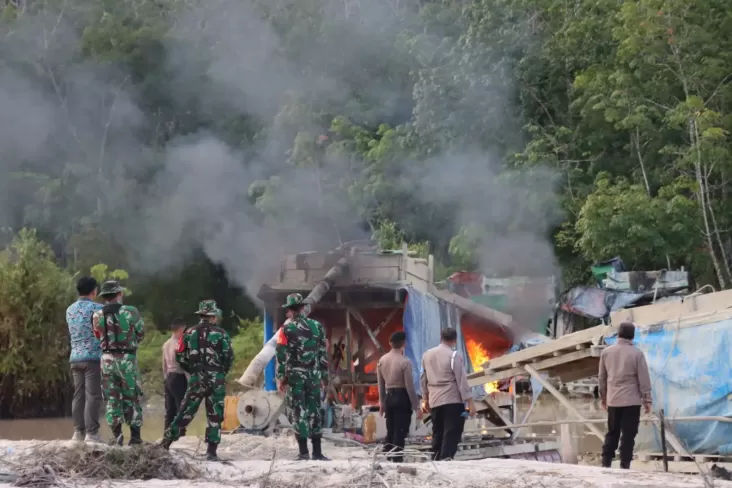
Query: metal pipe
{"points": [[551, 423], [265, 355]]}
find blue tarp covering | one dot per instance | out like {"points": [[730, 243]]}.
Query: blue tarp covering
{"points": [[424, 317], [691, 375]]}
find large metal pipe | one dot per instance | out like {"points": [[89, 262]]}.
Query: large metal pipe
{"points": [[263, 357]]}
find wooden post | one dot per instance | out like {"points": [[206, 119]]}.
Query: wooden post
{"points": [[663, 440], [360, 318], [563, 400], [349, 346]]}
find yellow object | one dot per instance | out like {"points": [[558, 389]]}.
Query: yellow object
{"points": [[369, 428], [231, 419]]}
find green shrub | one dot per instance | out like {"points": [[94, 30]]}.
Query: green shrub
{"points": [[34, 339]]}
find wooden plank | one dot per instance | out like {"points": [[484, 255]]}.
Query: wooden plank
{"points": [[490, 375], [568, 342], [666, 311], [368, 330], [537, 376], [472, 307]]}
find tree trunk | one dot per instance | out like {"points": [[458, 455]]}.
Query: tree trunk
{"points": [[703, 203]]}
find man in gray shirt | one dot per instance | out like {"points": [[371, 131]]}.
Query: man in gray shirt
{"points": [[445, 389], [397, 395], [625, 386]]}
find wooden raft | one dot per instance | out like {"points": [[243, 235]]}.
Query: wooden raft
{"points": [[570, 358]]}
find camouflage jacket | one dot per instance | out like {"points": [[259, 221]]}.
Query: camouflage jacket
{"points": [[119, 328], [301, 349], [205, 348]]}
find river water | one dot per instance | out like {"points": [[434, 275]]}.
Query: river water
{"points": [[547, 408], [48, 429]]}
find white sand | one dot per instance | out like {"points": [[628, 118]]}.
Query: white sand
{"points": [[249, 460]]}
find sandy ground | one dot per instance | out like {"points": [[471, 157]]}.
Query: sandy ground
{"points": [[257, 462]]}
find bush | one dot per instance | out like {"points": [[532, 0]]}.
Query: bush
{"points": [[34, 341]]}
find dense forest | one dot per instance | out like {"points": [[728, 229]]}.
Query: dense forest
{"points": [[193, 142]]}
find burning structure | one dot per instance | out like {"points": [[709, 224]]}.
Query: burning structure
{"points": [[361, 296]]}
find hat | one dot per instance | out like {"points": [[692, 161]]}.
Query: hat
{"points": [[110, 288], [293, 300], [208, 308]]}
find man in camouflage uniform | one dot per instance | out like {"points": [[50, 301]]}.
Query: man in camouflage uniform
{"points": [[119, 329], [302, 369], [205, 353]]}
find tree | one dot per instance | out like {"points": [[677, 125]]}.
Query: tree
{"points": [[34, 344]]}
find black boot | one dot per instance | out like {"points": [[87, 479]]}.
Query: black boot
{"points": [[317, 449], [304, 454], [117, 438], [211, 452], [135, 439], [165, 444]]}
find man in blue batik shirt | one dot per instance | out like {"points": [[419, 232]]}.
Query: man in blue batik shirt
{"points": [[86, 354]]}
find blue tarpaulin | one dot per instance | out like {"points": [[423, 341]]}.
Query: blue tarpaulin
{"points": [[424, 317], [691, 375]]}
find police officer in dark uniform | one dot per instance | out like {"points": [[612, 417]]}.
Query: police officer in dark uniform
{"points": [[397, 396]]}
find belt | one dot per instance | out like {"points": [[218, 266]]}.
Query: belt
{"points": [[395, 390], [119, 351]]}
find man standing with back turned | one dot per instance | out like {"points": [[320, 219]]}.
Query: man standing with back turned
{"points": [[397, 396], [445, 389], [302, 368], [86, 354], [204, 351], [120, 330], [625, 386]]}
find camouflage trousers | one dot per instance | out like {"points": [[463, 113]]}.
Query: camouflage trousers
{"points": [[121, 389], [210, 387], [302, 405]]}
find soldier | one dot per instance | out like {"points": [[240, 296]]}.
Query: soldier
{"points": [[119, 328], [204, 351], [302, 368]]}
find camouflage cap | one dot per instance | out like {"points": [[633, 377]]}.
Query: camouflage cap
{"points": [[293, 300], [208, 308], [110, 288]]}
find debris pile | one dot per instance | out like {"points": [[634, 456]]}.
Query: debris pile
{"points": [[49, 464]]}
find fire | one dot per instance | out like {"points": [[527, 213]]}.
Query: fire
{"points": [[478, 355], [372, 392]]}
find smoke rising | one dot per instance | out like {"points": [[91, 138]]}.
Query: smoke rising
{"points": [[167, 197]]}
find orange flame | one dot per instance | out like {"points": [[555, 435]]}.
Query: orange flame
{"points": [[478, 355], [372, 392]]}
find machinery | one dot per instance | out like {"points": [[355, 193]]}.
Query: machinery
{"points": [[362, 295], [259, 411]]}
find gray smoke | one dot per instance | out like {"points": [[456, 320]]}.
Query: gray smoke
{"points": [[224, 57]]}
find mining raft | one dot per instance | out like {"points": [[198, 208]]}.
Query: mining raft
{"points": [[362, 295]]}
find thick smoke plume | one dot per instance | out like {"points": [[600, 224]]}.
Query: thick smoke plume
{"points": [[224, 57]]}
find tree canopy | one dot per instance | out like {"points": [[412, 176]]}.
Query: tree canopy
{"points": [[191, 142]]}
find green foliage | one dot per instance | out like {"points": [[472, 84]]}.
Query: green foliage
{"points": [[34, 344], [101, 273], [246, 344], [629, 103], [150, 359]]}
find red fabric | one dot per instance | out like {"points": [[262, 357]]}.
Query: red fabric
{"points": [[181, 345], [281, 338]]}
